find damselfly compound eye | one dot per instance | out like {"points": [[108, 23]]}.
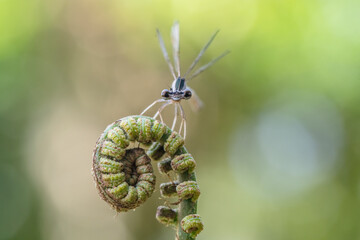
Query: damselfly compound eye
{"points": [[165, 94], [187, 94]]}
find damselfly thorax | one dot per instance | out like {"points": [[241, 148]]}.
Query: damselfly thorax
{"points": [[179, 90]]}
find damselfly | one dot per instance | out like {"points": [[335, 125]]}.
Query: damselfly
{"points": [[179, 89]]}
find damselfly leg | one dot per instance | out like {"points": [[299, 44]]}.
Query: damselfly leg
{"points": [[151, 105], [183, 120], [175, 116], [158, 113]]}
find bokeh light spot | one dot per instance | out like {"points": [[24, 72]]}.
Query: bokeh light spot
{"points": [[291, 145]]}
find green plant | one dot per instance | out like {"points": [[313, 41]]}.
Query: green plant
{"points": [[124, 175]]}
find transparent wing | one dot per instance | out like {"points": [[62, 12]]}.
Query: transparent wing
{"points": [[202, 68], [195, 102], [175, 42], [166, 56], [201, 53]]}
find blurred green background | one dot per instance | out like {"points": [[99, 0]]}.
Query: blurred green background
{"points": [[276, 145]]}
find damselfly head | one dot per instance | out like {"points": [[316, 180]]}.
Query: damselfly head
{"points": [[177, 96], [178, 91]]}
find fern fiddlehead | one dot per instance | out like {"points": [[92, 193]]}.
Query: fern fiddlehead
{"points": [[124, 175]]}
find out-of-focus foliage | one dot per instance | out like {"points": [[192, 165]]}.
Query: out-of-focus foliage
{"points": [[276, 144]]}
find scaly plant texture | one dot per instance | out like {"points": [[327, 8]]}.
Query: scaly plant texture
{"points": [[124, 175]]}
